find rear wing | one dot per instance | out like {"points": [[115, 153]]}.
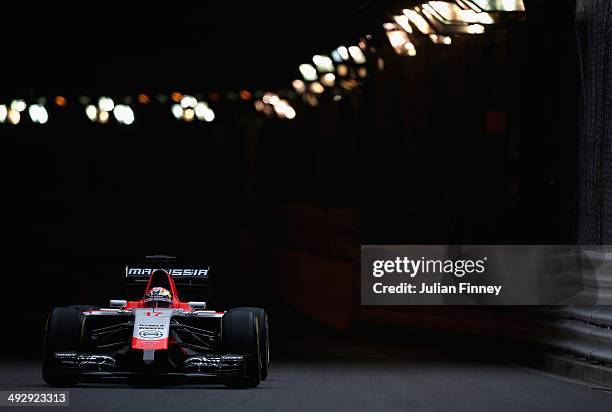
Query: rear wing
{"points": [[192, 283], [138, 273]]}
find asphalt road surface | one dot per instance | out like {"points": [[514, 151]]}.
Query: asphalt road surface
{"points": [[371, 381]]}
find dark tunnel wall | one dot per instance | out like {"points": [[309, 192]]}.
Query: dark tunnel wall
{"points": [[476, 142], [593, 36]]}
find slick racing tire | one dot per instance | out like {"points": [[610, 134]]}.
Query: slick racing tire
{"points": [[264, 338], [240, 336], [63, 334]]}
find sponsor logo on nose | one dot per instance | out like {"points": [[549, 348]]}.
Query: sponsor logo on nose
{"points": [[150, 334]]}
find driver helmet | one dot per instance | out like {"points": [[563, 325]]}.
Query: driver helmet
{"points": [[158, 297]]}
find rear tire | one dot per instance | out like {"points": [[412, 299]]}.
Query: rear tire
{"points": [[63, 334], [240, 336], [264, 338]]}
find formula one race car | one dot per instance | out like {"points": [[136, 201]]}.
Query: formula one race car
{"points": [[156, 335]]}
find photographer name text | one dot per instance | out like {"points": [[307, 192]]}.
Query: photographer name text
{"points": [[436, 289]]}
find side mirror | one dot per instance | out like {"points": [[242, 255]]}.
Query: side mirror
{"points": [[118, 303], [197, 305]]}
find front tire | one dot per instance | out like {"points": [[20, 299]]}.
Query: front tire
{"points": [[240, 335], [63, 334], [264, 338]]}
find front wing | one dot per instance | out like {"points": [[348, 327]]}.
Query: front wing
{"points": [[108, 350]]}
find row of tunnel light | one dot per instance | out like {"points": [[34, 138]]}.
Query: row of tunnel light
{"points": [[341, 71], [187, 109], [439, 20], [271, 104], [100, 113], [12, 114], [326, 71], [345, 66]]}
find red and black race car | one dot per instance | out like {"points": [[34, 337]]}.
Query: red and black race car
{"points": [[157, 335]]}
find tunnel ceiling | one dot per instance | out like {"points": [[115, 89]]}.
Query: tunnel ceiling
{"points": [[119, 46]]}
